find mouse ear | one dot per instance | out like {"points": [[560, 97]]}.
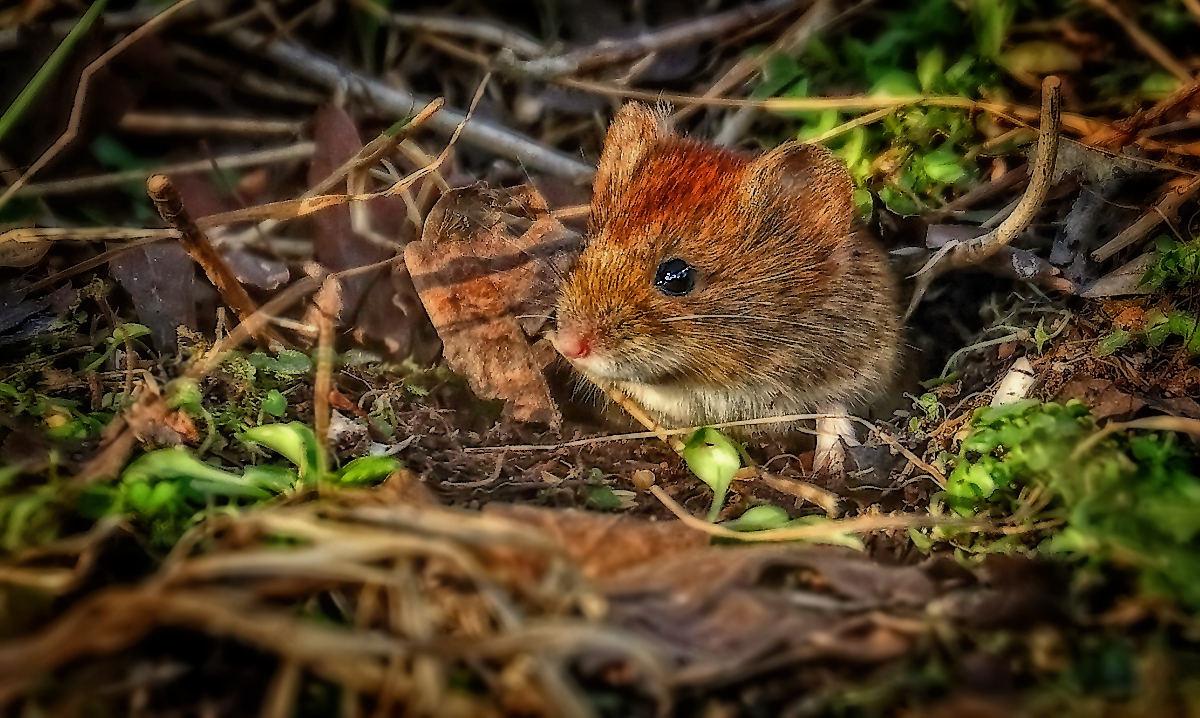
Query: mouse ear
{"points": [[804, 180], [634, 132]]}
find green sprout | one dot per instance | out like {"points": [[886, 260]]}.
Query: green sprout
{"points": [[714, 459]]}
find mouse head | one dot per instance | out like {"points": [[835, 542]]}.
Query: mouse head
{"points": [[699, 258]]}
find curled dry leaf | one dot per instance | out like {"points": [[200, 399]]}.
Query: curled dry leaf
{"points": [[486, 269], [724, 612]]}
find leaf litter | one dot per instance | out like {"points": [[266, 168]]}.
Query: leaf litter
{"points": [[182, 495]]}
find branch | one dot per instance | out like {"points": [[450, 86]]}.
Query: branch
{"points": [[609, 52], [976, 250], [480, 133]]}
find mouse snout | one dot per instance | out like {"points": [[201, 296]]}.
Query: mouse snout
{"points": [[573, 342]]}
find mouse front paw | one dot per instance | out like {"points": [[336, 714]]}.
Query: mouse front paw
{"points": [[834, 434]]}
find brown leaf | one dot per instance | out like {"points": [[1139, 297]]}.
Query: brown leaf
{"points": [[731, 610], [379, 305], [725, 612], [486, 269], [1103, 396], [161, 280], [605, 544]]}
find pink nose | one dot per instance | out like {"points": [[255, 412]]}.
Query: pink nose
{"points": [[574, 344]]}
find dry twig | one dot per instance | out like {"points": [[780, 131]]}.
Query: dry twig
{"points": [[298, 151], [1177, 192], [962, 254], [608, 52], [1144, 40], [170, 208], [518, 42], [477, 132], [168, 124], [81, 95]]}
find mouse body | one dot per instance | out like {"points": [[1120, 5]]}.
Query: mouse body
{"points": [[715, 286]]}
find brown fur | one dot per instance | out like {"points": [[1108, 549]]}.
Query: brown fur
{"points": [[808, 307]]}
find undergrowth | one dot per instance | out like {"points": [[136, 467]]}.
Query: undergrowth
{"points": [[1125, 501]]}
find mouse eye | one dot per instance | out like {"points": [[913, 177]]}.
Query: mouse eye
{"points": [[675, 277]]}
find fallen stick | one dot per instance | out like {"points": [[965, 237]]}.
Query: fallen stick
{"points": [[1178, 191], [479, 133], [170, 208], [609, 51], [975, 251]]}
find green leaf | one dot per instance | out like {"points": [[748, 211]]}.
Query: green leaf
{"points": [[992, 18], [170, 465], [943, 165], [293, 440], [930, 69], [899, 202], [163, 494], [603, 498], [896, 83], [715, 460], [367, 470], [185, 393], [1040, 335], [759, 518], [274, 403], [177, 465], [129, 331], [287, 363], [1109, 345], [1158, 85], [273, 478]]}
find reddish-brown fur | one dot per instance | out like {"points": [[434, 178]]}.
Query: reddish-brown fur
{"points": [[793, 308]]}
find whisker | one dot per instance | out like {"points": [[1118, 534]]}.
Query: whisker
{"points": [[745, 318]]}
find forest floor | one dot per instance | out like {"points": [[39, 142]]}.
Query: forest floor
{"points": [[259, 457]]}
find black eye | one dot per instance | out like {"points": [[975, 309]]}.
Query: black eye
{"points": [[675, 277]]}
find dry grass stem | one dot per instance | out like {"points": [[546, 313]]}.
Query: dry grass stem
{"points": [[328, 303], [790, 42], [81, 95], [1150, 423], [313, 201], [481, 30], [86, 234], [291, 153], [1145, 42], [145, 123], [660, 431], [825, 529]]}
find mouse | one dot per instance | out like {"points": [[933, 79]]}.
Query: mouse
{"points": [[720, 286]]}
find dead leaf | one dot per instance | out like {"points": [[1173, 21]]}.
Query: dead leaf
{"points": [[1106, 400], [22, 254], [727, 612], [161, 281], [22, 319], [1126, 279], [380, 305], [486, 270], [605, 544]]}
